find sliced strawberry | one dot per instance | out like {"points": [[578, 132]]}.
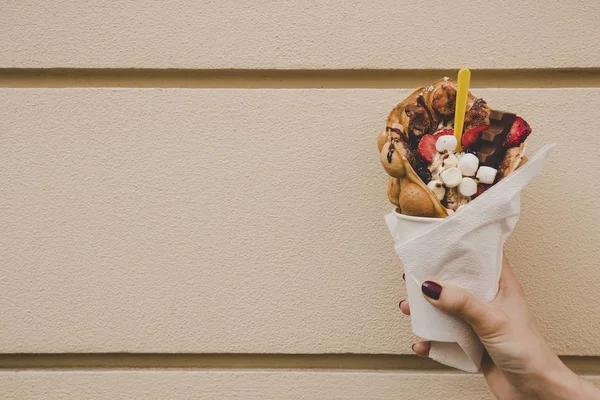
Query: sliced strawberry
{"points": [[426, 148], [519, 131], [482, 187], [471, 136], [444, 131]]}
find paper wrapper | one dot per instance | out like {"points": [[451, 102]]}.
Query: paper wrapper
{"points": [[465, 249]]}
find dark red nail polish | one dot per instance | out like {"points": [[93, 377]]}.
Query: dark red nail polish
{"points": [[431, 290], [403, 278]]}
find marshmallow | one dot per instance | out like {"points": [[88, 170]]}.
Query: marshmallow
{"points": [[467, 187], [446, 143], [468, 164], [437, 188], [451, 177], [486, 174], [451, 161]]}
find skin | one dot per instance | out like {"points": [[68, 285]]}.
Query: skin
{"points": [[518, 364]]}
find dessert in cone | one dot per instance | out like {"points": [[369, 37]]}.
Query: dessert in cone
{"points": [[429, 177]]}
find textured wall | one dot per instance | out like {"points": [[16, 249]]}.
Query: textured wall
{"points": [[261, 232], [288, 34], [236, 222], [248, 385]]}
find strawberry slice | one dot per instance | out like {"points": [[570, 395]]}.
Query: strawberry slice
{"points": [[442, 132], [471, 136], [426, 148], [482, 187], [519, 131]]}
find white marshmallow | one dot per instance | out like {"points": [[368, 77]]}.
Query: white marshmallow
{"points": [[451, 161], [467, 187], [437, 188], [486, 174], [468, 164], [451, 177], [446, 143]]}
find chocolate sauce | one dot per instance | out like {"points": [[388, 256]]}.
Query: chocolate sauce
{"points": [[421, 120], [444, 103], [421, 102], [478, 103], [390, 153], [395, 130]]}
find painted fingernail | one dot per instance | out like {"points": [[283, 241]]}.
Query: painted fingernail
{"points": [[400, 304], [403, 278], [431, 290]]}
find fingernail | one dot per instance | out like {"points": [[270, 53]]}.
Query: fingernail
{"points": [[413, 347], [403, 278], [400, 304], [431, 290]]}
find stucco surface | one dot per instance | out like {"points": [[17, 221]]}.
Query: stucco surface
{"points": [[299, 35], [213, 385], [248, 223], [251, 221], [267, 385]]}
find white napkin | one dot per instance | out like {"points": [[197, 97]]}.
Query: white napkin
{"points": [[465, 249]]}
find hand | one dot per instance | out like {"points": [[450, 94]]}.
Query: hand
{"points": [[518, 364]]}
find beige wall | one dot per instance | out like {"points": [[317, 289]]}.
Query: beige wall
{"points": [[205, 217]]}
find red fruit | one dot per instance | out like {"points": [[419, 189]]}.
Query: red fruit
{"points": [[426, 148], [482, 187], [519, 131], [470, 137], [445, 131]]}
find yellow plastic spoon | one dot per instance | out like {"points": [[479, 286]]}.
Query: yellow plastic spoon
{"points": [[462, 94]]}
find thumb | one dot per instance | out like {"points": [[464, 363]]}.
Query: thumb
{"points": [[484, 318]]}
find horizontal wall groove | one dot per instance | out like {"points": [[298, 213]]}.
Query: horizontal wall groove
{"points": [[345, 78], [579, 364], [219, 360]]}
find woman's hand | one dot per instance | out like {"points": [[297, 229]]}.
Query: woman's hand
{"points": [[519, 364]]}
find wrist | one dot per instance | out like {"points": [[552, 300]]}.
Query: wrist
{"points": [[557, 382], [560, 384]]}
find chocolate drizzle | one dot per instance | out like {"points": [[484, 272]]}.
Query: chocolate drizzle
{"points": [[395, 130], [444, 102], [421, 120], [421, 102], [477, 115], [390, 153]]}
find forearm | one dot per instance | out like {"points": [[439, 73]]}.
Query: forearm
{"points": [[578, 388], [563, 384], [590, 392]]}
